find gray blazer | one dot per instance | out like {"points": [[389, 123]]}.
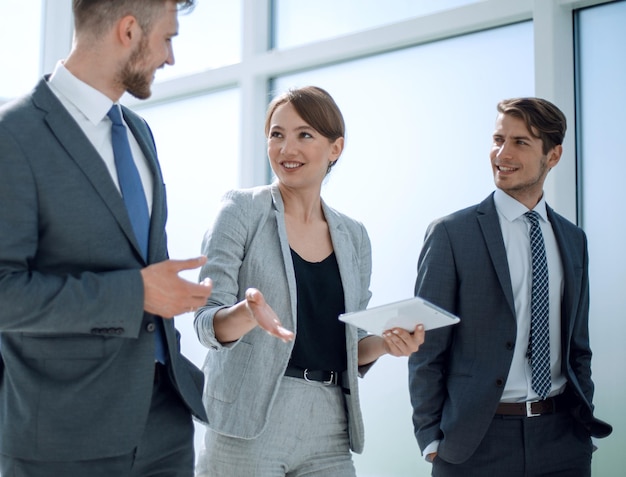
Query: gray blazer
{"points": [[458, 375], [248, 247], [77, 349]]}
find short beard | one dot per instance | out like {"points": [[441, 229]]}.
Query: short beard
{"points": [[133, 79]]}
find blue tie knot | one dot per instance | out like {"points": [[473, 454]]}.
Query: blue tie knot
{"points": [[533, 217], [115, 115]]}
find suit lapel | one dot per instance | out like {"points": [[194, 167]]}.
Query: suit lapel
{"points": [[571, 274], [489, 223], [158, 217], [344, 252], [142, 134], [278, 209], [82, 152]]}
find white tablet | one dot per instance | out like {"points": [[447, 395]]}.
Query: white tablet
{"points": [[405, 314]]}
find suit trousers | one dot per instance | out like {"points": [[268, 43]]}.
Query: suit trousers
{"points": [[166, 448], [306, 434], [550, 445]]}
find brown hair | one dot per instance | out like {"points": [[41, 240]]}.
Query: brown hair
{"points": [[542, 118], [97, 16]]}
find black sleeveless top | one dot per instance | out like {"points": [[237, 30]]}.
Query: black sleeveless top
{"points": [[321, 338]]}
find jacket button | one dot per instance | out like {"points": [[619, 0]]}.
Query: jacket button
{"points": [[499, 382], [509, 345], [150, 327]]}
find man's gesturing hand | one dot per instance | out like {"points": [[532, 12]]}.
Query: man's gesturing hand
{"points": [[166, 294]]}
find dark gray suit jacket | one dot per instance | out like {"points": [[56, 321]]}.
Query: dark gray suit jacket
{"points": [[77, 349], [458, 375]]}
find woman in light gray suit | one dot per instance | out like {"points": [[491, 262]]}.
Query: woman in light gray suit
{"points": [[282, 260]]}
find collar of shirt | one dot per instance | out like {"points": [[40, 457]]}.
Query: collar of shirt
{"points": [[89, 101], [89, 107], [512, 209]]}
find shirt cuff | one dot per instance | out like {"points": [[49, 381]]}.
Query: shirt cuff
{"points": [[430, 448]]}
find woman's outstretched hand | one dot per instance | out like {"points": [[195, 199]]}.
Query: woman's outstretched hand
{"points": [[266, 318]]}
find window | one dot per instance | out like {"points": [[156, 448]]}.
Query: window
{"points": [[20, 36], [417, 81], [602, 99], [297, 23], [198, 145], [209, 37]]}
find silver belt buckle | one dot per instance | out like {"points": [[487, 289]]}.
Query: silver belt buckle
{"points": [[331, 380], [529, 411], [306, 377]]}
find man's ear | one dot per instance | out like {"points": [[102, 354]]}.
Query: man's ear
{"points": [[127, 30], [554, 155]]}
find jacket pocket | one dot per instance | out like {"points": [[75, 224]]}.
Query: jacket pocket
{"points": [[39, 346], [225, 370]]}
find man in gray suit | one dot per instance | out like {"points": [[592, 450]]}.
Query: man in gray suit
{"points": [[92, 382], [478, 406]]}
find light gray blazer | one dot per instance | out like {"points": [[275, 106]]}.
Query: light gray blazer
{"points": [[248, 247], [77, 349]]}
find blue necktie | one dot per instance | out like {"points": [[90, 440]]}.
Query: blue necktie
{"points": [[539, 343], [129, 180], [134, 199]]}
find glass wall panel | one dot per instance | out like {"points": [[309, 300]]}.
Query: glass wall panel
{"points": [[209, 37], [419, 126], [602, 101], [296, 22], [20, 36], [198, 144]]}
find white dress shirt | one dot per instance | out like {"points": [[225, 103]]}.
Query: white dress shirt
{"points": [[89, 108], [515, 232]]}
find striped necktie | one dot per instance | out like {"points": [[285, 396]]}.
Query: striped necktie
{"points": [[539, 343]]}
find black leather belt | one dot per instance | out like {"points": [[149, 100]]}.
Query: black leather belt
{"points": [[531, 408], [328, 378]]}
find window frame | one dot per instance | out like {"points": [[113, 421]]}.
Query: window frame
{"points": [[554, 61]]}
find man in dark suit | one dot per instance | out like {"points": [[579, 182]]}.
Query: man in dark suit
{"points": [[92, 382], [486, 402]]}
